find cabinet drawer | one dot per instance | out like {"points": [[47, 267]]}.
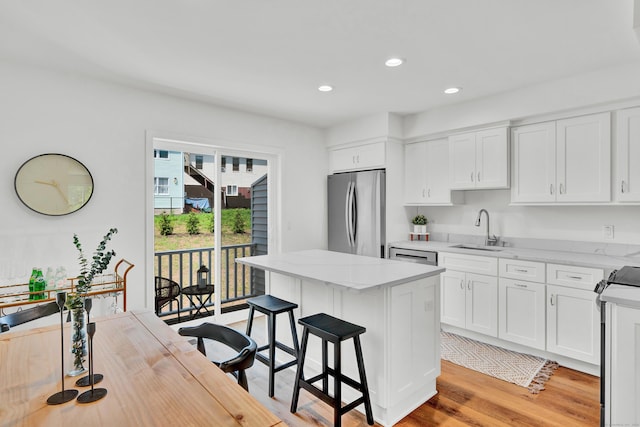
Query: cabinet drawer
{"points": [[572, 276], [522, 270], [469, 263]]}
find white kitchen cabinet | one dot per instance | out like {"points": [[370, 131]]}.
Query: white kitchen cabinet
{"points": [[427, 173], [479, 160], [573, 323], [622, 367], [360, 157], [469, 300], [572, 165], [627, 184], [521, 312]]}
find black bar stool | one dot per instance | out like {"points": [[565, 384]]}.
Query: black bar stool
{"points": [[331, 329], [273, 306]]}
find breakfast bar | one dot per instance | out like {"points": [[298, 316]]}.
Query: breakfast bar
{"points": [[397, 302]]}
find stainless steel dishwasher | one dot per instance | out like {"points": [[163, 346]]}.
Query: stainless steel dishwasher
{"points": [[414, 255]]}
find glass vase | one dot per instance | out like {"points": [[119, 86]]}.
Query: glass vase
{"points": [[78, 335]]}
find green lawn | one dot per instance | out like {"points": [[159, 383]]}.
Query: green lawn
{"points": [[181, 239]]}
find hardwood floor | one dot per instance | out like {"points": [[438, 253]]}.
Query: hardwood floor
{"points": [[465, 398]]}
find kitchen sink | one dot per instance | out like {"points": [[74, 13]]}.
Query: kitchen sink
{"points": [[477, 247]]}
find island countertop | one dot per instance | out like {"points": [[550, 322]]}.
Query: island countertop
{"points": [[355, 272]]}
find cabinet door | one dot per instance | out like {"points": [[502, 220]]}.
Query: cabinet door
{"points": [[492, 158], [534, 163], [583, 155], [452, 292], [521, 316], [360, 157], [482, 304], [415, 172], [462, 161], [573, 323], [627, 184], [438, 189], [623, 380]]}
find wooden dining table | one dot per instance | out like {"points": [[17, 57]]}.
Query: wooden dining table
{"points": [[153, 376]]}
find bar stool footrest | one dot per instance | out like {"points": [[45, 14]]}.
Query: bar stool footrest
{"points": [[328, 399]]}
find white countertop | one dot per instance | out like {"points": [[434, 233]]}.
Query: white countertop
{"points": [[596, 260], [623, 295], [335, 268]]}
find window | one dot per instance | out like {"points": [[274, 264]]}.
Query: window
{"points": [[232, 190], [223, 164], [199, 161], [236, 164], [160, 154], [161, 185], [249, 165]]}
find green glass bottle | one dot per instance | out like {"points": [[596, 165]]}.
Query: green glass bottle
{"points": [[39, 285], [32, 282]]}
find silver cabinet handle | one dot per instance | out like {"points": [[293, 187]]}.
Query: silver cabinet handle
{"points": [[472, 176], [520, 285], [562, 189], [358, 158], [551, 300], [469, 285], [575, 277], [521, 270], [478, 176], [429, 192], [622, 186], [462, 284], [551, 189], [423, 192]]}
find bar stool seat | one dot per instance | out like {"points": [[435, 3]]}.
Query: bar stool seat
{"points": [[272, 306], [333, 330]]}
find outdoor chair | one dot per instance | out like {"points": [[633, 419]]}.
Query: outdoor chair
{"points": [[27, 315], [239, 342], [166, 291]]}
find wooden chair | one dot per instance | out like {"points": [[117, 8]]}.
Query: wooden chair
{"points": [[166, 291], [27, 315], [243, 344]]}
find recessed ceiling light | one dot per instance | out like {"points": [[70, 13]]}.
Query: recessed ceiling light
{"points": [[325, 88], [394, 62], [452, 90]]}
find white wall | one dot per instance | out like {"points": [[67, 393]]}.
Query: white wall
{"points": [[104, 125]]}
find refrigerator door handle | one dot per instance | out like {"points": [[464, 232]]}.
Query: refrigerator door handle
{"points": [[347, 213], [354, 216]]}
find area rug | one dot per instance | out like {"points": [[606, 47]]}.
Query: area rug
{"points": [[524, 370]]}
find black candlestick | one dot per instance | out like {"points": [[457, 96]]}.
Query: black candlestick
{"points": [[86, 381], [98, 393], [64, 395]]}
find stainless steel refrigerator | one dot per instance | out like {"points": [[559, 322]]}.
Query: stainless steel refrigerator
{"points": [[357, 212]]}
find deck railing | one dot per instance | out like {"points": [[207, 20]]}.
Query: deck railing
{"points": [[181, 266]]}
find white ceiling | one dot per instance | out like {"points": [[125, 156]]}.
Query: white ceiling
{"points": [[269, 56]]}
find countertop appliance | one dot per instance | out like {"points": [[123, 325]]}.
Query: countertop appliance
{"points": [[627, 276], [414, 255], [356, 204]]}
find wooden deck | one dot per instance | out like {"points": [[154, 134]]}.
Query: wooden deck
{"points": [[465, 398]]}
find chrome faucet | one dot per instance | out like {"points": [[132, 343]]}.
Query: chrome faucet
{"points": [[489, 240]]}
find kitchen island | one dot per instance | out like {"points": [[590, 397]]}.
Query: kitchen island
{"points": [[397, 302]]}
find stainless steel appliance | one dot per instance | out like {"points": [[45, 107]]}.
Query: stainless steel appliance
{"points": [[414, 255], [627, 276], [356, 203]]}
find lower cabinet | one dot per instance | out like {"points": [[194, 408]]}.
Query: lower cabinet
{"points": [[622, 370], [573, 323], [470, 301], [521, 312]]}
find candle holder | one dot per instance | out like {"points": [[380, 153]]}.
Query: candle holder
{"points": [[62, 396], [95, 393], [86, 381]]}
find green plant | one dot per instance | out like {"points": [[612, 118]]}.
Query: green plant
{"points": [[166, 226], [100, 261], [212, 223], [419, 220], [238, 223], [193, 224]]}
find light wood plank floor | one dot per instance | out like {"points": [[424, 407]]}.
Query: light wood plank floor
{"points": [[465, 398]]}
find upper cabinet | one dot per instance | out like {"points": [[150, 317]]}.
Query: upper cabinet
{"points": [[479, 160], [360, 157], [427, 173], [627, 184], [563, 161]]}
